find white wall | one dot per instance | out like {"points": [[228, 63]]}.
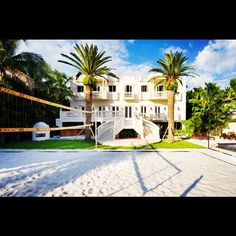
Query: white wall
{"points": [[139, 100]]}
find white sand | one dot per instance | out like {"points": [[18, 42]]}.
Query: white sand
{"points": [[88, 173]]}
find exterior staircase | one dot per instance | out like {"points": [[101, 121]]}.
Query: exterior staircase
{"points": [[146, 129]]}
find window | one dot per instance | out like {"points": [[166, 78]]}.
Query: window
{"points": [[41, 135], [112, 88], [143, 109], [101, 108], [157, 109], [160, 88], [96, 88], [128, 89], [115, 108], [80, 89], [143, 88]]}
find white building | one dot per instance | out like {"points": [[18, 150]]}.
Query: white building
{"points": [[133, 100]]}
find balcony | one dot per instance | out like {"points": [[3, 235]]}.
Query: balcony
{"points": [[70, 116], [99, 95], [178, 97], [113, 96], [129, 95], [159, 117], [144, 96], [158, 95], [78, 97]]}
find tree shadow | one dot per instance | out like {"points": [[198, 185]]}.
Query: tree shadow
{"points": [[151, 189], [18, 178], [139, 176], [191, 187], [64, 175]]}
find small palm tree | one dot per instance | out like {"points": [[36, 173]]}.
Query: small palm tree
{"points": [[171, 69], [13, 65], [90, 63]]}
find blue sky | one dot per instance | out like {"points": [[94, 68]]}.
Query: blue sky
{"points": [[151, 50], [214, 60]]}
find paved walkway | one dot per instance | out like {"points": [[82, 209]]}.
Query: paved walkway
{"points": [[213, 144], [176, 172]]}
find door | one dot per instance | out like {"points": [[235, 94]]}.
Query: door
{"points": [[128, 112]]}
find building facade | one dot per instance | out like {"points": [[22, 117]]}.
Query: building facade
{"points": [[130, 95]]}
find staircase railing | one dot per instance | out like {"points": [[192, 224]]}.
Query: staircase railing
{"points": [[105, 128], [155, 130], [118, 124], [138, 125]]}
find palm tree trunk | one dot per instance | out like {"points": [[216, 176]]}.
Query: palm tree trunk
{"points": [[88, 108], [171, 100]]}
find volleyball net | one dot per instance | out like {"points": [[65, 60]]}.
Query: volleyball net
{"points": [[23, 108]]}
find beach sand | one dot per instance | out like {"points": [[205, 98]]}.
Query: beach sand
{"points": [[192, 172]]}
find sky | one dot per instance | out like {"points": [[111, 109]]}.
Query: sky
{"points": [[214, 60]]}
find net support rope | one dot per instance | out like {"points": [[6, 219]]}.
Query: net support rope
{"points": [[25, 96]]}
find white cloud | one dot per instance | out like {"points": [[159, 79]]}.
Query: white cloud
{"points": [[190, 45], [199, 81], [131, 41], [217, 57], [173, 49], [216, 62], [51, 50], [224, 83]]}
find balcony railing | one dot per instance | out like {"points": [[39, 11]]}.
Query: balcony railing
{"points": [[99, 95], [178, 97], [159, 116], [129, 95], [78, 97], [113, 96], [159, 95]]}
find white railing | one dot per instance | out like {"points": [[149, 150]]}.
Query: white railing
{"points": [[105, 129], [118, 124], [159, 116], [99, 95], [178, 96], [112, 95], [105, 115], [79, 96], [138, 125], [155, 130], [159, 94], [72, 116], [128, 95]]}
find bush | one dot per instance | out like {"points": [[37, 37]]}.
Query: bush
{"points": [[187, 127]]}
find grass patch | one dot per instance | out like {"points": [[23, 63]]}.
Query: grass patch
{"points": [[51, 144], [81, 144], [162, 144]]}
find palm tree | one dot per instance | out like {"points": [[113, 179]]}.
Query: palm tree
{"points": [[171, 69], [90, 63], [13, 65]]}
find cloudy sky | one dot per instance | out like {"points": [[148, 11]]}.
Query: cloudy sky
{"points": [[214, 60]]}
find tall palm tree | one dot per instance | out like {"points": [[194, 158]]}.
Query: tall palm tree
{"points": [[171, 69], [13, 65], [90, 63]]}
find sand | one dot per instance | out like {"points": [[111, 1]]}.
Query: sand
{"points": [[186, 172]]}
